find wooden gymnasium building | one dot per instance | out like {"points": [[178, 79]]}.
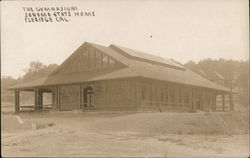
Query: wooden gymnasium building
{"points": [[111, 78]]}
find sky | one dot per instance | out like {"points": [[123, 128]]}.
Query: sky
{"points": [[178, 29]]}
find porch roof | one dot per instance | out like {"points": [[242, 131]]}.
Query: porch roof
{"points": [[72, 78]]}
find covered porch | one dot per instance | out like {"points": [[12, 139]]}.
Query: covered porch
{"points": [[224, 101], [35, 99]]}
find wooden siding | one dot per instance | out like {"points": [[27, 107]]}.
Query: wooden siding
{"points": [[133, 94], [122, 93], [137, 94], [164, 96], [70, 97]]}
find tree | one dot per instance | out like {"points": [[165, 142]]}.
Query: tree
{"points": [[191, 65], [237, 70], [34, 67], [6, 82], [37, 70]]}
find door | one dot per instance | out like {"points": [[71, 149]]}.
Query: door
{"points": [[198, 103], [88, 97]]}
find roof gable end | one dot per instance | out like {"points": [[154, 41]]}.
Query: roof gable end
{"points": [[89, 57]]}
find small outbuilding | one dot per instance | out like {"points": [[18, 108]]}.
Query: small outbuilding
{"points": [[112, 78]]}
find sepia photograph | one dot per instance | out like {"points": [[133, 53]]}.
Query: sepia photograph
{"points": [[123, 78]]}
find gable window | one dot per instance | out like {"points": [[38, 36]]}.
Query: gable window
{"points": [[105, 61], [111, 63], [91, 59]]}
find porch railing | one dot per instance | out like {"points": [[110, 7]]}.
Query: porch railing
{"points": [[33, 107]]}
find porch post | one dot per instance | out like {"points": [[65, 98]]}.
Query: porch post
{"points": [[17, 101], [137, 93], [107, 92], [40, 98], [202, 100], [81, 96], [190, 91], [176, 92], [193, 100], [223, 101], [36, 98], [58, 98], [214, 101], [231, 101]]}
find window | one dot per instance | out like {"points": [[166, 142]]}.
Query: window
{"points": [[171, 95], [47, 98], [105, 61], [146, 91], [180, 95], [143, 91], [207, 99], [111, 63], [162, 95], [186, 96], [92, 59]]}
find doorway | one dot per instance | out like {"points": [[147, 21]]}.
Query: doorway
{"points": [[88, 97], [198, 103]]}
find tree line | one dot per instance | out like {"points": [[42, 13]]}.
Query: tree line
{"points": [[235, 71]]}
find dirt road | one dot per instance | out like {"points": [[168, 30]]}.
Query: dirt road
{"points": [[124, 134]]}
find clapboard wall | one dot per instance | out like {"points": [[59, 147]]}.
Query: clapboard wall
{"points": [[118, 94]]}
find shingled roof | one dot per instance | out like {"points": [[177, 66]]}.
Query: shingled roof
{"points": [[136, 64]]}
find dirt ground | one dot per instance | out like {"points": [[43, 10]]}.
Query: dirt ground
{"points": [[125, 134]]}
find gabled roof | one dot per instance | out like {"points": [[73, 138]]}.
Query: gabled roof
{"points": [[109, 52], [136, 64], [130, 53], [163, 73]]}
